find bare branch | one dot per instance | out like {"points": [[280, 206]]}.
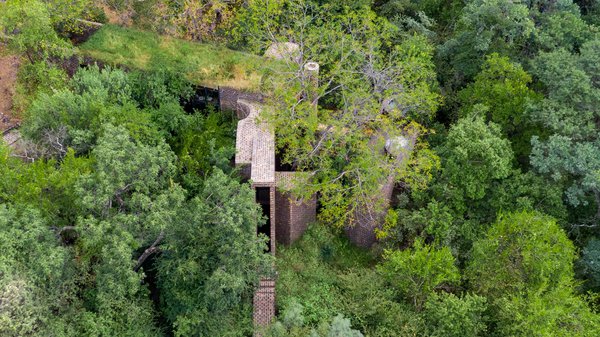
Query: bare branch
{"points": [[149, 251]]}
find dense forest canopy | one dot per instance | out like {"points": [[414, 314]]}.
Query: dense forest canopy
{"points": [[121, 214]]}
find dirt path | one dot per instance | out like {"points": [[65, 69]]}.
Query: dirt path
{"points": [[8, 77]]}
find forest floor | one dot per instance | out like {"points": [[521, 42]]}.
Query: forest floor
{"points": [[9, 66]]}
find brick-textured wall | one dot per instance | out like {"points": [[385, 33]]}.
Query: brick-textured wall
{"points": [[361, 234], [273, 217], [228, 97], [283, 218], [264, 304], [369, 217], [243, 110], [302, 213], [293, 216], [245, 170]]}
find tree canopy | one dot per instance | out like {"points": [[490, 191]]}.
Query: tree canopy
{"points": [[462, 136]]}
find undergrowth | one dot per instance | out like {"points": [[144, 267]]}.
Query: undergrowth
{"points": [[327, 276]]}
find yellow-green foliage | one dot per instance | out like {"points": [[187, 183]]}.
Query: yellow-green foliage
{"points": [[202, 63]]}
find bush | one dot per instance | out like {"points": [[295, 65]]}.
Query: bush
{"points": [[39, 77], [450, 316], [417, 272]]}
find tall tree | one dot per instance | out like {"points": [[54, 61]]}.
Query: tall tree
{"points": [[37, 287], [212, 260], [525, 264], [570, 112], [476, 154], [502, 87], [521, 252], [372, 87], [417, 272], [486, 26], [28, 27], [451, 316]]}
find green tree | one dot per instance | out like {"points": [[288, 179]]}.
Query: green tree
{"points": [[475, 155], [113, 290], [450, 316], [445, 215], [562, 29], [524, 191], [521, 252], [202, 143], [75, 118], [503, 88], [374, 90], [340, 327], [45, 185], [28, 27], [569, 111], [129, 202], [328, 276], [127, 173], [558, 312], [590, 10], [260, 16], [65, 14], [486, 26], [36, 284], [441, 12], [524, 264], [292, 324], [213, 259], [590, 263], [107, 85], [417, 272]]}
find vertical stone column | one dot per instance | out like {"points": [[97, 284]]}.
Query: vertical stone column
{"points": [[371, 215], [311, 74], [272, 217]]}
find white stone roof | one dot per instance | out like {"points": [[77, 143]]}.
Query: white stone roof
{"points": [[263, 157], [255, 145]]}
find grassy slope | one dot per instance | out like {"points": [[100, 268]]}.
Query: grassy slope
{"points": [[205, 64]]}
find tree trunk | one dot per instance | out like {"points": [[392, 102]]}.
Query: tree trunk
{"points": [[149, 251]]}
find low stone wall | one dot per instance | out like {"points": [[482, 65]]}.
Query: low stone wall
{"points": [[11, 136], [228, 98], [264, 304]]}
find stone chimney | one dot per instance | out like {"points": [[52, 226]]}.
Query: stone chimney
{"points": [[311, 74]]}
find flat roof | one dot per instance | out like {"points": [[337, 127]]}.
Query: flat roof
{"points": [[255, 145]]}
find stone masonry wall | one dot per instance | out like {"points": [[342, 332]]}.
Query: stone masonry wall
{"points": [[283, 218], [228, 98], [264, 304], [302, 213], [273, 218], [293, 217]]}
